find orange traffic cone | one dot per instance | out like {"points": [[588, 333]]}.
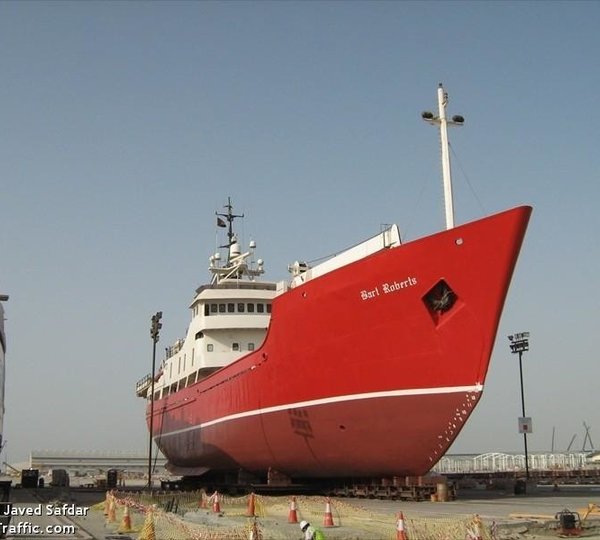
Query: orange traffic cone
{"points": [[216, 506], [293, 513], [328, 518], [250, 510], [400, 528], [126, 521]]}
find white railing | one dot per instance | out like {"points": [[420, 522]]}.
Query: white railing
{"points": [[493, 462]]}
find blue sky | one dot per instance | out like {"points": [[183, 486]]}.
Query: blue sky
{"points": [[125, 125]]}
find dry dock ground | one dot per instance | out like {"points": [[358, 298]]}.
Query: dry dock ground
{"points": [[86, 514]]}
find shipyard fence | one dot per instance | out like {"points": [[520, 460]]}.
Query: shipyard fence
{"points": [[193, 516]]}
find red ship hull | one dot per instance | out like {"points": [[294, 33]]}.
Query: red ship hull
{"points": [[362, 373]]}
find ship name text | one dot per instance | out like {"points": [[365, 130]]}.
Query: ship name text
{"points": [[387, 288]]}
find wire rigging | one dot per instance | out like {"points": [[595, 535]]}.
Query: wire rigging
{"points": [[462, 170]]}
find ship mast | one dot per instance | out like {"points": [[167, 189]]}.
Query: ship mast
{"points": [[442, 121], [238, 264], [229, 216]]}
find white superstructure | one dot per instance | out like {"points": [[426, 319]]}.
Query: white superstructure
{"points": [[230, 317], [302, 272]]}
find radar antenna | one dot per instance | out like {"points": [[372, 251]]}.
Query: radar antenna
{"points": [[229, 216], [239, 264]]}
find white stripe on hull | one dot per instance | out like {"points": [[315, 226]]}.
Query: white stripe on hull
{"points": [[329, 400]]}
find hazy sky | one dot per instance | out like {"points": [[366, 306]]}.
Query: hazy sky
{"points": [[125, 125]]}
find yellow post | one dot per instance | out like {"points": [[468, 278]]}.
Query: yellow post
{"points": [[112, 511], [148, 531]]}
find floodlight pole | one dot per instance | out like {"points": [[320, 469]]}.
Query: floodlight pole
{"points": [[523, 409], [154, 329], [519, 343]]}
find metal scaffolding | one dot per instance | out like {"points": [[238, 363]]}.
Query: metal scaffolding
{"points": [[496, 462]]}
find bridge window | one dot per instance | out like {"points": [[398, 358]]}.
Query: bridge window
{"points": [[235, 346], [209, 347], [250, 346], [241, 307]]}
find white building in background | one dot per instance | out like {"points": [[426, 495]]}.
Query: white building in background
{"points": [[94, 462]]}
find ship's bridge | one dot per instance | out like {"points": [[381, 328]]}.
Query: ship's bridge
{"points": [[230, 318], [234, 305]]}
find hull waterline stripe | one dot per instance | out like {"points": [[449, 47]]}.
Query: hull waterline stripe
{"points": [[327, 401]]}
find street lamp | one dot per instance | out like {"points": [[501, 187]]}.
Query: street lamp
{"points": [[155, 326], [519, 343]]}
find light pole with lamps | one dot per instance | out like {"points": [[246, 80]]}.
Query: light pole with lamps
{"points": [[155, 326], [519, 343]]}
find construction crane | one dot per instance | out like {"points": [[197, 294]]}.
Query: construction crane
{"points": [[587, 438]]}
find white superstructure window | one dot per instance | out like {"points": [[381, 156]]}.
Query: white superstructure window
{"points": [[239, 307]]}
